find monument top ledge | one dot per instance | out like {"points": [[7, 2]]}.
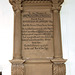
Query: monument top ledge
{"points": [[18, 4], [52, 1]]}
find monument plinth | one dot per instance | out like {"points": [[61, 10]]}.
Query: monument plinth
{"points": [[37, 38]]}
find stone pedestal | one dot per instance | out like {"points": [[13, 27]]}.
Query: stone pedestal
{"points": [[17, 67], [59, 67], [37, 38]]}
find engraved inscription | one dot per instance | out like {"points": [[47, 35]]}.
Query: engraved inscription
{"points": [[37, 30]]}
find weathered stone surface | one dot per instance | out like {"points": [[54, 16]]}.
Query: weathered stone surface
{"points": [[37, 32], [17, 69], [37, 38], [59, 66]]}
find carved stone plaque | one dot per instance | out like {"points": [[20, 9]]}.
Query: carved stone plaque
{"points": [[37, 32]]}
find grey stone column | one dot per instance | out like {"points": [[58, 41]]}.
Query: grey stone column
{"points": [[57, 34], [17, 30], [17, 61], [17, 35], [58, 67]]}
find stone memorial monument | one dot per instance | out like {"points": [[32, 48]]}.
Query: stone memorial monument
{"points": [[37, 38]]}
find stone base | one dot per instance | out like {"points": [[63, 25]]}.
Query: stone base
{"points": [[17, 67], [38, 67], [59, 67]]}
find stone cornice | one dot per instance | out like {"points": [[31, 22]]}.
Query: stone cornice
{"points": [[17, 4], [57, 1], [56, 4], [15, 1], [53, 1]]}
